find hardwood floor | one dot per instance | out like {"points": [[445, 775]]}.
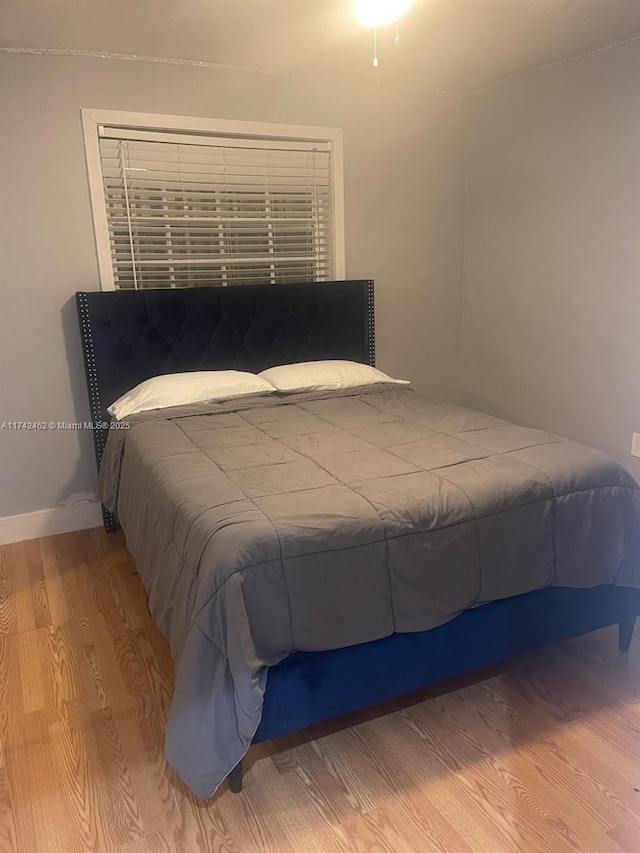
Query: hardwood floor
{"points": [[542, 753]]}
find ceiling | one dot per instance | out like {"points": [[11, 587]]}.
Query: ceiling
{"points": [[451, 45]]}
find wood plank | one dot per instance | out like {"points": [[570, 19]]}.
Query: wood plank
{"points": [[123, 585], [39, 593], [101, 648], [94, 690], [155, 843], [200, 826], [149, 716], [5, 707], [17, 571], [98, 799], [64, 672], [121, 805], [56, 593], [8, 829], [33, 766], [156, 813], [8, 615], [31, 653], [11, 699]]}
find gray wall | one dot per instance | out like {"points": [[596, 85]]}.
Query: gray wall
{"points": [[551, 330], [403, 189]]}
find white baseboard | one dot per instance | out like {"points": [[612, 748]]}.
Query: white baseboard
{"points": [[48, 522]]}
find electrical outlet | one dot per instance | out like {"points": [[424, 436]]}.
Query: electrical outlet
{"points": [[635, 444]]}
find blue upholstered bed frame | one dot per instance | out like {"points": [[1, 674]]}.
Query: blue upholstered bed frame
{"points": [[129, 336]]}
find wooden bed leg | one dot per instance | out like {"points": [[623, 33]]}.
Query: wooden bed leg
{"points": [[235, 778], [625, 632]]}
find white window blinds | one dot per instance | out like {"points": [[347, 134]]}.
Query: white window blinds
{"points": [[187, 210]]}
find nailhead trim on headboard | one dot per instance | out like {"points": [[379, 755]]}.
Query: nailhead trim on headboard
{"points": [[95, 406], [92, 378], [371, 323]]}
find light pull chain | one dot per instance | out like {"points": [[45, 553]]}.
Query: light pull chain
{"points": [[396, 42]]}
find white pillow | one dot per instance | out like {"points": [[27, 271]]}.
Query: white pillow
{"points": [[326, 376], [177, 389]]}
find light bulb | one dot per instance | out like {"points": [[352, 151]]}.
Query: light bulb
{"points": [[379, 13]]}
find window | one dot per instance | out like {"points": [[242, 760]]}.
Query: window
{"points": [[188, 202]]}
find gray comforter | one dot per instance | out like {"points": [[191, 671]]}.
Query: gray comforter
{"points": [[322, 520]]}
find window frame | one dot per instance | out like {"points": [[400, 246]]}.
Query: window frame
{"points": [[92, 119]]}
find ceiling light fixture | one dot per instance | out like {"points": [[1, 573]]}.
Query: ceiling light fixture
{"points": [[378, 13]]}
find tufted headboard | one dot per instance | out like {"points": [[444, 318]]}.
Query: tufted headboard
{"points": [[131, 335]]}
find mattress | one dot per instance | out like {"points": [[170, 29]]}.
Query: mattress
{"points": [[266, 526]]}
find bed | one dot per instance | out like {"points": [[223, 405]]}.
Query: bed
{"points": [[311, 554]]}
